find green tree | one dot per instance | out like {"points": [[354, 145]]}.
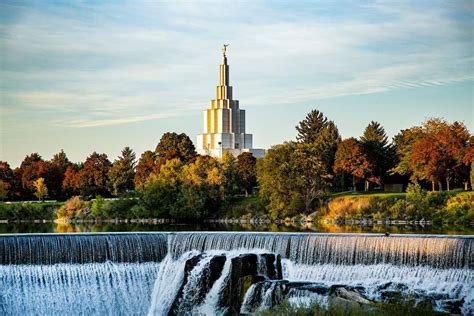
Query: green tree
{"points": [[98, 207], [246, 163], [292, 177], [41, 191], [229, 167], [122, 172], [192, 203], [316, 130], [275, 175], [161, 191], [93, 177], [202, 189], [403, 142], [326, 145], [310, 128], [351, 160], [181, 144], [379, 152], [313, 178]]}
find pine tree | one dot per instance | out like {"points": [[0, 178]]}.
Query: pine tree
{"points": [[379, 152], [323, 135], [310, 128], [122, 172]]}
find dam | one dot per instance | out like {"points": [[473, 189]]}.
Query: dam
{"points": [[227, 272]]}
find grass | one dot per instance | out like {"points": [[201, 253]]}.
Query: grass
{"points": [[368, 194]]}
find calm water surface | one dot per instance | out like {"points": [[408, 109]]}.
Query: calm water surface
{"points": [[18, 228]]}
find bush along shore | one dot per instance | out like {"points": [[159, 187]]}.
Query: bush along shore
{"points": [[416, 207]]}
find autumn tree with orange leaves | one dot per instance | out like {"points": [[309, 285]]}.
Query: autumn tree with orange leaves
{"points": [[439, 155], [351, 160]]}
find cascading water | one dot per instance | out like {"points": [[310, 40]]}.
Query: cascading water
{"points": [[178, 273], [70, 289], [346, 249], [82, 248]]}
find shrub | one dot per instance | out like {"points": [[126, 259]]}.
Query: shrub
{"points": [[28, 211], [120, 208], [98, 207], [459, 209], [75, 207]]}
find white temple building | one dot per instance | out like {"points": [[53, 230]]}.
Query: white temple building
{"points": [[224, 122]]}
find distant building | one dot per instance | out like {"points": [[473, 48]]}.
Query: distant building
{"points": [[224, 122]]}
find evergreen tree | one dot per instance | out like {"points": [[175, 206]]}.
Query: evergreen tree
{"points": [[379, 152], [326, 146], [317, 131], [310, 128], [122, 172]]}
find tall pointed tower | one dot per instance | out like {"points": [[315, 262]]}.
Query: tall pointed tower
{"points": [[224, 122]]}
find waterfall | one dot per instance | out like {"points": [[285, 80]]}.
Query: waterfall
{"points": [[167, 284], [72, 289], [444, 285], [219, 272], [441, 252], [82, 248], [346, 249]]}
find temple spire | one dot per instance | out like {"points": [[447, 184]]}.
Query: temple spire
{"points": [[224, 121], [224, 70]]}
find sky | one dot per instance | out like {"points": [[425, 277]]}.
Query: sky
{"points": [[87, 76]]}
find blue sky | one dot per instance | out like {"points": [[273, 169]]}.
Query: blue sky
{"points": [[97, 76]]}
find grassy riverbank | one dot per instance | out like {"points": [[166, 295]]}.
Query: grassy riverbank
{"points": [[437, 208], [453, 207]]}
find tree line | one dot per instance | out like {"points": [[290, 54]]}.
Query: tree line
{"points": [[59, 178], [294, 177], [299, 175]]}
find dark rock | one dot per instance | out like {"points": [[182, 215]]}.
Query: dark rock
{"points": [[274, 292], [247, 265], [453, 306], [348, 294], [206, 280]]}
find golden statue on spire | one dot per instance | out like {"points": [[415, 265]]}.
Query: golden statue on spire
{"points": [[224, 49]]}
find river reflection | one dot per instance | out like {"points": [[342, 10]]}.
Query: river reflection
{"points": [[19, 228]]}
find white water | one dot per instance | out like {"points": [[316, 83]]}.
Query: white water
{"points": [[167, 284], [454, 283], [442, 252], [74, 289], [67, 274]]}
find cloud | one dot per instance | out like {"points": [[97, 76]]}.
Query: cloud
{"points": [[90, 66]]}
